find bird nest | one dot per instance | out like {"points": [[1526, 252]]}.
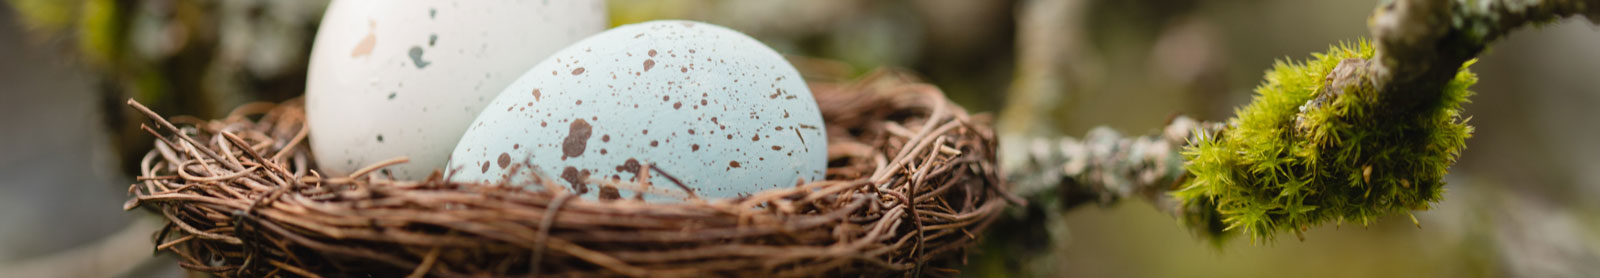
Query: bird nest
{"points": [[912, 181]]}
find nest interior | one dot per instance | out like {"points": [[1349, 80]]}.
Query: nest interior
{"points": [[911, 182]]}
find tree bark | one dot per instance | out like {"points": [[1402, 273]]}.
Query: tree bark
{"points": [[1422, 43]]}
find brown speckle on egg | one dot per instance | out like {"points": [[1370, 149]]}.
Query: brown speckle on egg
{"points": [[364, 48], [630, 166], [505, 159], [576, 179], [577, 139]]}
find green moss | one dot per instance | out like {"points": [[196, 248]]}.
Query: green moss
{"points": [[1276, 168]]}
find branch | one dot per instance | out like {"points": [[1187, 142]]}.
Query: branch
{"points": [[1051, 58], [1104, 166], [1421, 46], [1422, 43]]}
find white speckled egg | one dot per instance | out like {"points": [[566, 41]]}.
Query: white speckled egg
{"points": [[391, 78], [715, 109]]}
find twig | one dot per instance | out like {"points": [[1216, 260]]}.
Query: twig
{"points": [[1104, 166], [375, 166], [541, 242], [675, 181], [168, 125], [1422, 43]]}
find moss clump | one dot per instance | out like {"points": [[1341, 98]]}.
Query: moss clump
{"points": [[1303, 153]]}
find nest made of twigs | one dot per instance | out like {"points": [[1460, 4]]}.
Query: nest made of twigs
{"points": [[912, 181]]}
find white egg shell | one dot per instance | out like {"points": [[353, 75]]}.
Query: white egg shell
{"points": [[391, 78], [715, 109]]}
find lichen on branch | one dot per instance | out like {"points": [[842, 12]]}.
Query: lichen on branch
{"points": [[1313, 148], [1421, 43], [1103, 167], [1362, 131]]}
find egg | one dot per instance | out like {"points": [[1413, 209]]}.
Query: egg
{"points": [[392, 78], [711, 108]]}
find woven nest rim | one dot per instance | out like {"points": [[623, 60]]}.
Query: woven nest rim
{"points": [[241, 200]]}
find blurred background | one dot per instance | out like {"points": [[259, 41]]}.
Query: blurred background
{"points": [[1523, 202]]}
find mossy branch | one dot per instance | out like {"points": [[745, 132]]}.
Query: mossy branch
{"points": [[1316, 146], [1356, 133]]}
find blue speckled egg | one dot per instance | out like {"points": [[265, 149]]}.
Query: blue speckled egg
{"points": [[713, 108]]}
